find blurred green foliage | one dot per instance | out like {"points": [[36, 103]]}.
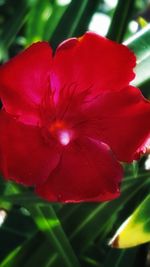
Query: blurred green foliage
{"points": [[37, 233]]}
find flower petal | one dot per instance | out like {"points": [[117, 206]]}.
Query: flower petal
{"points": [[25, 156], [121, 120], [24, 81], [87, 171], [92, 63]]}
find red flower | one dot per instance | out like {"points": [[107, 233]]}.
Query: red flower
{"points": [[67, 119]]}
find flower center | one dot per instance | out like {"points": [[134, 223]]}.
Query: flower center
{"points": [[64, 137], [61, 131]]}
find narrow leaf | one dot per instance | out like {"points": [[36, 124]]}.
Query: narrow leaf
{"points": [[47, 221], [120, 20], [140, 44], [136, 229]]}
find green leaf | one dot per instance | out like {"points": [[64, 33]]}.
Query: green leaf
{"points": [[12, 26], [117, 258], [96, 216], [140, 44], [136, 229], [53, 21], [34, 252], [47, 221], [85, 19], [69, 22], [120, 20], [8, 261], [39, 14]]}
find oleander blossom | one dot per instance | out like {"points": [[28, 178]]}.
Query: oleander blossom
{"points": [[68, 120]]}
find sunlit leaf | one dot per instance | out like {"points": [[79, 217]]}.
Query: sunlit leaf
{"points": [[43, 19], [140, 44], [136, 229], [47, 221]]}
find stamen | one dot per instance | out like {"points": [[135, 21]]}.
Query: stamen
{"points": [[64, 137], [62, 132]]}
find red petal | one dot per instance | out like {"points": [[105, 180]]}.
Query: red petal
{"points": [[92, 62], [143, 149], [25, 157], [24, 81], [88, 171], [120, 119]]}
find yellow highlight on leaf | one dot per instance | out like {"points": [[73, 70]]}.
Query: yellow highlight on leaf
{"points": [[135, 230], [142, 22]]}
